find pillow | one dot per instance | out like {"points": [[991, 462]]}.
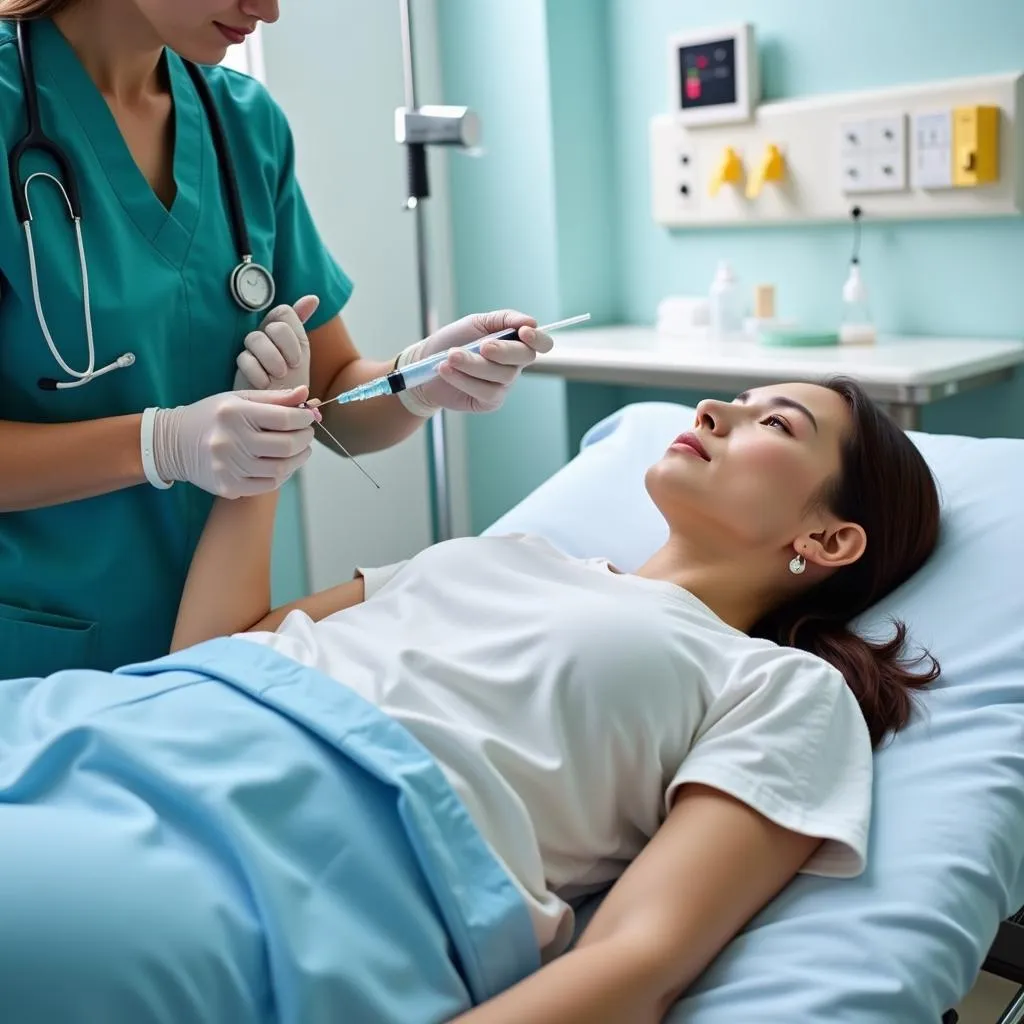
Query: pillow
{"points": [[905, 940]]}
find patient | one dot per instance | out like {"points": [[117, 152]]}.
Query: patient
{"points": [[696, 732]]}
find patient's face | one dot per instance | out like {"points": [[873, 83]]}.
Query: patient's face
{"points": [[765, 456]]}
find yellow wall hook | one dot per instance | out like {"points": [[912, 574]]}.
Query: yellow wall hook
{"points": [[730, 169], [771, 168]]}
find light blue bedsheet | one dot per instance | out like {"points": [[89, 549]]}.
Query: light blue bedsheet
{"points": [[225, 836], [904, 942]]}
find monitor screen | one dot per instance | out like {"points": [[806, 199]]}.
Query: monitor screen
{"points": [[707, 72]]}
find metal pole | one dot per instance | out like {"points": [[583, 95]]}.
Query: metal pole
{"points": [[408, 65], [419, 190], [906, 414]]}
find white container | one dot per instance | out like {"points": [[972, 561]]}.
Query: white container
{"points": [[724, 299], [856, 326], [684, 316]]}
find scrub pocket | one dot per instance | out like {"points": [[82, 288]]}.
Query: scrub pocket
{"points": [[40, 643]]}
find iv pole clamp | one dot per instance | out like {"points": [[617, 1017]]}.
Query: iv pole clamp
{"points": [[416, 128]]}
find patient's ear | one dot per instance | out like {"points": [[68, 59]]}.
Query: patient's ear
{"points": [[833, 546]]}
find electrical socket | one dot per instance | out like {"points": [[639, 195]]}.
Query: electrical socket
{"points": [[887, 153], [873, 154], [853, 137], [686, 178], [853, 170], [853, 156]]}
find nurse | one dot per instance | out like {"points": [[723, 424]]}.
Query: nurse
{"points": [[119, 417]]}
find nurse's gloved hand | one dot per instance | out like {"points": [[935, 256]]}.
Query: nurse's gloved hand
{"points": [[235, 444], [471, 382], [277, 355]]}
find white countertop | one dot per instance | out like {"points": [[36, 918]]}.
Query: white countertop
{"points": [[906, 369]]}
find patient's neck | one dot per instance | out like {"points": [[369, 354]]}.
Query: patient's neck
{"points": [[728, 586]]}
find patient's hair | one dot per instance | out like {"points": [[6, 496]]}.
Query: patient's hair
{"points": [[32, 10], [885, 485]]}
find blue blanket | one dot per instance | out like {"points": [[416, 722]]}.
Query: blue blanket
{"points": [[226, 836]]}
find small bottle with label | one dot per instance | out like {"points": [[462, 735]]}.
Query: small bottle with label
{"points": [[764, 319]]}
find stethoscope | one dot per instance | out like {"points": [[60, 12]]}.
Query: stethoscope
{"points": [[251, 285]]}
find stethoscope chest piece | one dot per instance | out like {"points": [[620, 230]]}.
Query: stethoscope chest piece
{"points": [[252, 286]]}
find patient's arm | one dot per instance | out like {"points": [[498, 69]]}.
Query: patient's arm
{"points": [[316, 606], [712, 865], [228, 585]]}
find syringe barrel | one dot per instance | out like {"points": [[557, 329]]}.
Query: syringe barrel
{"points": [[425, 370]]}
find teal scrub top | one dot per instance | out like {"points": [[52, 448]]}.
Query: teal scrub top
{"points": [[96, 583]]}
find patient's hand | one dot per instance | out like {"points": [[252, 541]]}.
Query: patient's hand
{"points": [[277, 355]]}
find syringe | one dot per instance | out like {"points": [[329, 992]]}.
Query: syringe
{"points": [[425, 370]]}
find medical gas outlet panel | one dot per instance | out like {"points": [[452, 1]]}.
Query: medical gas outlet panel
{"points": [[719, 157]]}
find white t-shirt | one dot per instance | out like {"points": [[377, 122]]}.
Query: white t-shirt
{"points": [[565, 702]]}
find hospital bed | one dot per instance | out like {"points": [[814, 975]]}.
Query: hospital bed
{"points": [[904, 942]]}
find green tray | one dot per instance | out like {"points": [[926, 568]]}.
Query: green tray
{"points": [[794, 338]]}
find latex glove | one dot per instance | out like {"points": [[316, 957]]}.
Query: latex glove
{"points": [[235, 444], [277, 355], [471, 382]]}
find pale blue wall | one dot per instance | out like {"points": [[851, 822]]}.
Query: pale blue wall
{"points": [[557, 215], [579, 57], [504, 225], [534, 223], [928, 278]]}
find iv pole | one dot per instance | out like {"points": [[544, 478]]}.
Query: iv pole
{"points": [[416, 128]]}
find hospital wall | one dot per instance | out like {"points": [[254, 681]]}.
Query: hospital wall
{"points": [[341, 111], [555, 218]]}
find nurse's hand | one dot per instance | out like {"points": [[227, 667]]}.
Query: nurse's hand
{"points": [[235, 444], [277, 355], [471, 382]]}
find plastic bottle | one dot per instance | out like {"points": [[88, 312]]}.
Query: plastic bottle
{"points": [[856, 326], [724, 299]]}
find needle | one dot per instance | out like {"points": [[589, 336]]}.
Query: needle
{"points": [[344, 450]]}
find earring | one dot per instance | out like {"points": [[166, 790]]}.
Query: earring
{"points": [[797, 564]]}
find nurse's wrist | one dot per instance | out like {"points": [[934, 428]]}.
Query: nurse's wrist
{"points": [[135, 470], [412, 399], [155, 430]]}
